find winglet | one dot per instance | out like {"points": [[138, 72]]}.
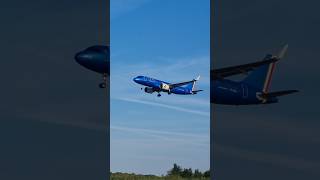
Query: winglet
{"points": [[283, 52], [197, 79]]}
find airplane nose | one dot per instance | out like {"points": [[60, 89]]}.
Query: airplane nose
{"points": [[82, 57], [94, 59], [78, 57], [137, 80]]}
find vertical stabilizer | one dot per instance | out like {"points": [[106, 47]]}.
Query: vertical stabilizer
{"points": [[191, 85], [261, 77]]}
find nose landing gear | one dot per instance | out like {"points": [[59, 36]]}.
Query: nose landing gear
{"points": [[159, 95], [104, 83]]}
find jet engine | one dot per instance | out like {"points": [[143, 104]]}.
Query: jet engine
{"points": [[148, 90]]}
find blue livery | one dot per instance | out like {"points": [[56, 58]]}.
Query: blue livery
{"points": [[96, 58], [154, 85], [253, 89]]}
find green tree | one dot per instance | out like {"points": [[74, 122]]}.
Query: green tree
{"points": [[197, 173], [175, 171], [206, 174], [187, 173]]}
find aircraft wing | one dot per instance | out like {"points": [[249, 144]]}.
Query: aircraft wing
{"points": [[180, 84], [245, 68], [183, 83], [240, 69]]}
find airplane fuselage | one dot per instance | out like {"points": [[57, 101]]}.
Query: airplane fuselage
{"points": [[230, 92], [95, 58], [251, 90], [154, 85]]}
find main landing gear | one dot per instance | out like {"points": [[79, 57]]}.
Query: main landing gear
{"points": [[104, 83]]}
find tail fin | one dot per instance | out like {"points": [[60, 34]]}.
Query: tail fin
{"points": [[191, 85], [197, 79], [261, 77]]}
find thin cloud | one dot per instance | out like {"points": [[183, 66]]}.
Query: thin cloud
{"points": [[194, 65], [178, 137], [157, 132], [181, 69], [202, 113]]}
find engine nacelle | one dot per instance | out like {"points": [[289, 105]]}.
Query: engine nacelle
{"points": [[165, 86], [148, 90]]}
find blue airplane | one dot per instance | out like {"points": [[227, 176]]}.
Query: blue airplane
{"points": [[154, 85], [253, 89], [96, 58]]}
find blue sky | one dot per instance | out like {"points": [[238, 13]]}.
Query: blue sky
{"points": [[167, 40]]}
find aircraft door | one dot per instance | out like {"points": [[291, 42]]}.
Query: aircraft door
{"points": [[244, 91]]}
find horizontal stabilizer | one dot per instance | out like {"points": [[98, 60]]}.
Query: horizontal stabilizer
{"points": [[196, 91], [278, 93]]}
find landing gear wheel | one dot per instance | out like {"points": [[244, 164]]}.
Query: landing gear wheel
{"points": [[159, 95], [102, 85], [104, 76]]}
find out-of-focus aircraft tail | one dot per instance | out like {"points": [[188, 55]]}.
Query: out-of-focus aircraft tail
{"points": [[261, 77]]}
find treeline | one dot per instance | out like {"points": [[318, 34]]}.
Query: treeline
{"points": [[176, 173], [188, 173], [132, 176]]}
